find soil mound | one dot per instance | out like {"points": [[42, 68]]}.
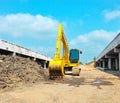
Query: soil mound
{"points": [[16, 71]]}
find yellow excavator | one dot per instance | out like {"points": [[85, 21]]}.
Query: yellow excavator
{"points": [[68, 63]]}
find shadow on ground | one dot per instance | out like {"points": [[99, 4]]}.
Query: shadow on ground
{"points": [[76, 82], [113, 72]]}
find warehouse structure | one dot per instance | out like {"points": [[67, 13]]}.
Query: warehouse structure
{"points": [[110, 56], [13, 49]]}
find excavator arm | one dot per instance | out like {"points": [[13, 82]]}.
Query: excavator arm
{"points": [[61, 39]]}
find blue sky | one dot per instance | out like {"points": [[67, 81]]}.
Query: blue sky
{"points": [[88, 24]]}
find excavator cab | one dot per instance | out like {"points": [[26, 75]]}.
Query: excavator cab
{"points": [[73, 68], [74, 55]]}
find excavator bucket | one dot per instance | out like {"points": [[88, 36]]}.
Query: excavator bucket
{"points": [[56, 69]]}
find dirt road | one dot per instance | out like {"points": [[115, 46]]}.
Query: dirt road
{"points": [[93, 86]]}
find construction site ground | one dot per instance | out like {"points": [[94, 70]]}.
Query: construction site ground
{"points": [[92, 86]]}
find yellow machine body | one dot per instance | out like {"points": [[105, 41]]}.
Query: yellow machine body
{"points": [[58, 64]]}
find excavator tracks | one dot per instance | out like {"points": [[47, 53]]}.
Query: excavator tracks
{"points": [[76, 71]]}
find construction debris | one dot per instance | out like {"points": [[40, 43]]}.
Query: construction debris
{"points": [[15, 71]]}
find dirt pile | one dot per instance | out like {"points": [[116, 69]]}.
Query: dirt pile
{"points": [[16, 71], [89, 66]]}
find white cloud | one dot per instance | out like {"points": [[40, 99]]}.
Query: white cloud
{"points": [[96, 35], [35, 26], [92, 43], [110, 15]]}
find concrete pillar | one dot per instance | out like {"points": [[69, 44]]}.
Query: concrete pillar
{"points": [[116, 63], [119, 61], [109, 63], [103, 63], [45, 64], [100, 63], [13, 54], [34, 59]]}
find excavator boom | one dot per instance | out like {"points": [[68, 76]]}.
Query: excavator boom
{"points": [[61, 39]]}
